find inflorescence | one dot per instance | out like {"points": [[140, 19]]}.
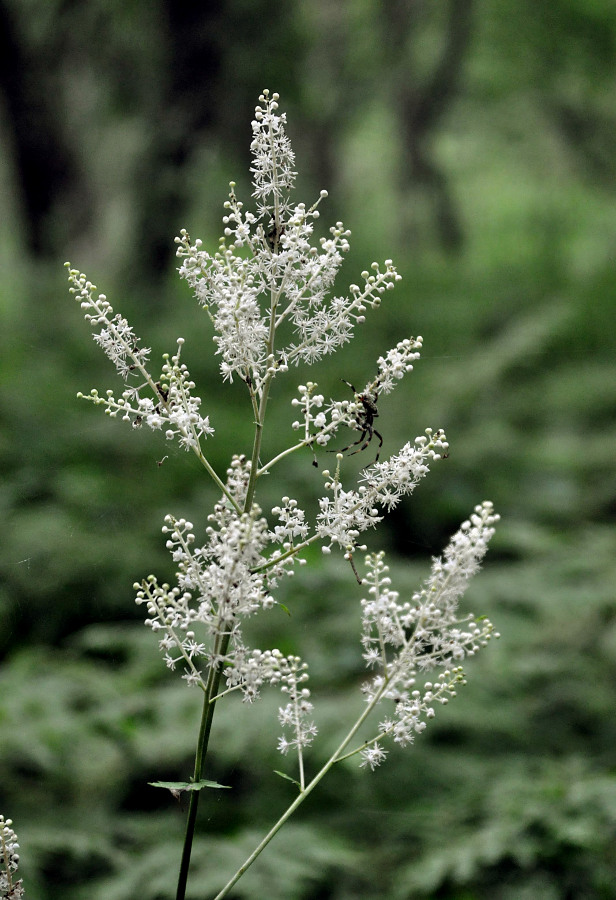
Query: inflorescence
{"points": [[267, 290]]}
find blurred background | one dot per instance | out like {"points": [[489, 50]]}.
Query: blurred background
{"points": [[472, 141]]}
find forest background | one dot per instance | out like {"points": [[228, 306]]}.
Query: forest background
{"points": [[472, 141]]}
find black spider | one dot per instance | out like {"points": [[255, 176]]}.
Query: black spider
{"points": [[364, 419], [274, 234]]}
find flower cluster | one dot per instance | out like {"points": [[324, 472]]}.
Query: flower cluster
{"points": [[228, 286], [404, 639], [165, 404], [412, 709], [321, 423], [396, 363], [215, 588], [268, 292], [346, 514], [273, 159], [270, 276], [311, 405], [293, 525], [294, 715], [112, 331], [218, 585], [10, 889]]}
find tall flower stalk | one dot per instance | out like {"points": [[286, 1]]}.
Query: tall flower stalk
{"points": [[267, 290]]}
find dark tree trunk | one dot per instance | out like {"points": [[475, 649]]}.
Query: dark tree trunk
{"points": [[46, 169], [421, 107]]}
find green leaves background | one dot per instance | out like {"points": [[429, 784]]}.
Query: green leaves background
{"points": [[485, 169]]}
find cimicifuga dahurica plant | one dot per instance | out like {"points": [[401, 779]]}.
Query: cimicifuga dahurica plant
{"points": [[267, 292], [11, 888]]}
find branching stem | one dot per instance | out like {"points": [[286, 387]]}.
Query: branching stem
{"points": [[334, 758], [222, 641]]}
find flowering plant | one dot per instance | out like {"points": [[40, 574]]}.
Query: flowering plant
{"points": [[10, 887], [267, 292]]}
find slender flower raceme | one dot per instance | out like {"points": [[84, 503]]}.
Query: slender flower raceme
{"points": [[268, 294], [346, 514], [168, 404], [217, 589], [403, 640], [10, 887]]}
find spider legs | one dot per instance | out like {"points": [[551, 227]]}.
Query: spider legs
{"points": [[380, 437], [366, 431], [371, 432], [365, 412], [364, 439]]}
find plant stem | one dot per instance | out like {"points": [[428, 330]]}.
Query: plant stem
{"points": [[207, 715], [222, 642], [334, 758], [282, 455], [219, 483], [215, 674]]}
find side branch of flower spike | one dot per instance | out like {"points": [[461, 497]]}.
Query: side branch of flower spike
{"points": [[346, 514], [405, 639]]}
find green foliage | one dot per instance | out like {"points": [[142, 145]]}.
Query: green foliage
{"points": [[511, 792], [508, 790]]}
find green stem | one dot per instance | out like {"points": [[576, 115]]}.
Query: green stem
{"points": [[297, 548], [207, 715], [267, 383], [215, 674], [256, 447], [212, 473], [334, 758], [222, 643], [282, 455]]}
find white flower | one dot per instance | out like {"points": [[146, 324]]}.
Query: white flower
{"points": [[405, 639], [346, 514], [10, 888], [293, 523], [115, 336], [279, 282], [167, 402], [373, 756], [396, 363], [218, 586], [320, 427], [268, 291], [228, 286], [273, 159], [295, 714]]}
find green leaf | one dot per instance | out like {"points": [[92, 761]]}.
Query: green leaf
{"points": [[188, 785], [288, 778]]}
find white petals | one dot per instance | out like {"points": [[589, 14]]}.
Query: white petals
{"points": [[346, 514], [10, 887], [404, 639], [268, 293], [397, 362], [115, 336], [218, 587], [273, 159], [372, 756], [228, 286], [268, 272], [174, 406], [293, 523]]}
